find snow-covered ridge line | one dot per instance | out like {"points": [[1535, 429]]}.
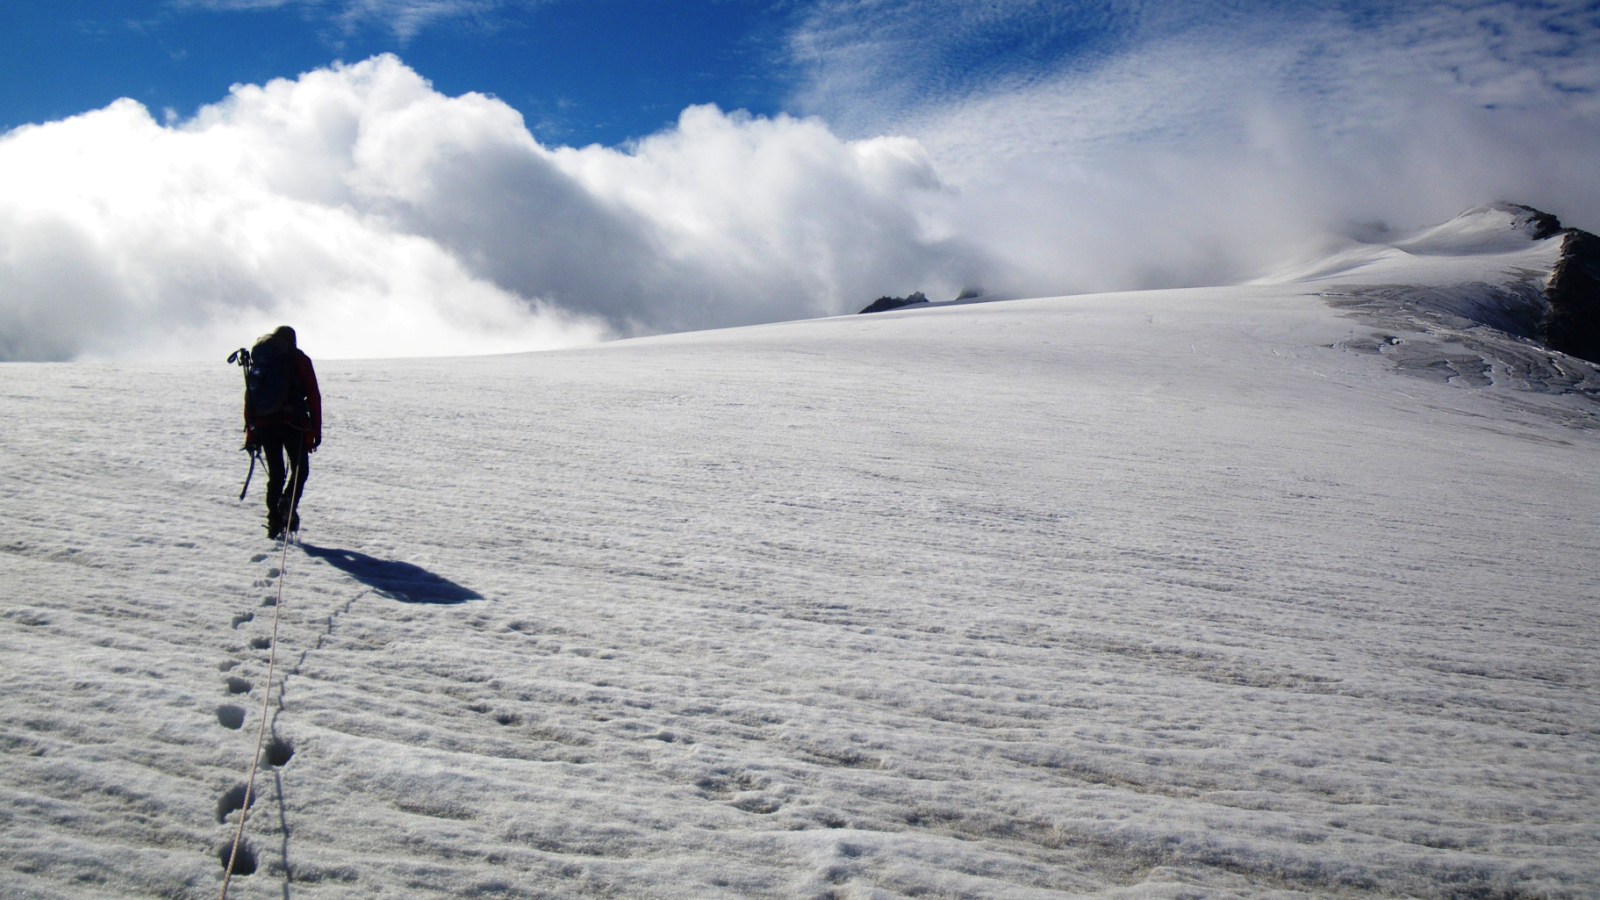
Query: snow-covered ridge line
{"points": [[1496, 278], [1533, 277], [1482, 297]]}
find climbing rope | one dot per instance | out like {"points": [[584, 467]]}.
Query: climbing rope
{"points": [[266, 695]]}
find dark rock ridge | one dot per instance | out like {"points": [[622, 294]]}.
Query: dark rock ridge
{"points": [[1572, 322], [883, 304], [1571, 318], [1540, 225]]}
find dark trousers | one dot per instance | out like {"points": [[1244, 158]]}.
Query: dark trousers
{"points": [[281, 445]]}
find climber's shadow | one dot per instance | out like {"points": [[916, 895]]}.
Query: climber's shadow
{"points": [[396, 580]]}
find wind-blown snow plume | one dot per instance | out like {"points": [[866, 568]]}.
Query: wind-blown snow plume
{"points": [[1113, 145]]}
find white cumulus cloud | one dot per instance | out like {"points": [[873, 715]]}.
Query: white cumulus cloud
{"points": [[123, 237], [383, 218]]}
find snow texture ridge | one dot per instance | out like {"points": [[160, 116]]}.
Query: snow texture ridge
{"points": [[1276, 590]]}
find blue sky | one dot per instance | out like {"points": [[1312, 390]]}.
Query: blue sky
{"points": [[582, 71], [403, 177]]}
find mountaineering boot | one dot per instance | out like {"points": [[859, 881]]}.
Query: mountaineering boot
{"points": [[294, 522], [274, 509]]}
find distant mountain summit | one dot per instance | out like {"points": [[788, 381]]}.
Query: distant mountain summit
{"points": [[1496, 228], [1571, 319], [1505, 266]]}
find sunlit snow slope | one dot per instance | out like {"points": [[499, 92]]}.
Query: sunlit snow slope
{"points": [[1224, 592]]}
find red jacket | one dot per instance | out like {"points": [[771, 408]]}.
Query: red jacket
{"points": [[307, 376]]}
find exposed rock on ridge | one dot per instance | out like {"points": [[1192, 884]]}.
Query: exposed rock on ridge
{"points": [[1572, 322], [884, 304], [1539, 225]]}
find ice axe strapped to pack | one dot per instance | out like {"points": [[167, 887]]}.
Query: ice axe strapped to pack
{"points": [[242, 357]]}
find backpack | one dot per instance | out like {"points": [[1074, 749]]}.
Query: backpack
{"points": [[269, 379]]}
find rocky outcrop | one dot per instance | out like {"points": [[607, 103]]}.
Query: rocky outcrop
{"points": [[1572, 322], [883, 304], [1539, 225]]}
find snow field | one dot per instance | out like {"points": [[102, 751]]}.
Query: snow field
{"points": [[1144, 595]]}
